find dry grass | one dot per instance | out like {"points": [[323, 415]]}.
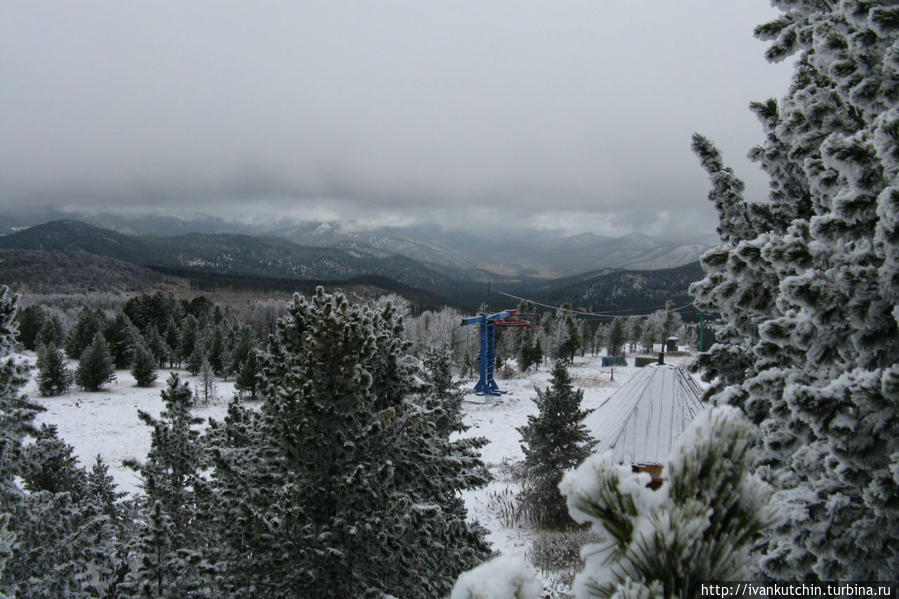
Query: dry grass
{"points": [[585, 382]]}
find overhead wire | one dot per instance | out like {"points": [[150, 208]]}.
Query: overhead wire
{"points": [[582, 313]]}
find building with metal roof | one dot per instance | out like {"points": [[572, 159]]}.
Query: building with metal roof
{"points": [[641, 422]]}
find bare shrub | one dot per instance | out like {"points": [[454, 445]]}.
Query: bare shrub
{"points": [[557, 553], [505, 506]]}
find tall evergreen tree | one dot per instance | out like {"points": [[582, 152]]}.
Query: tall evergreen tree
{"points": [[634, 331], [53, 377], [215, 348], [207, 387], [571, 340], [172, 538], [89, 323], [120, 334], [162, 353], [95, 368], [49, 464], [526, 355], [553, 441], [30, 319], [51, 332], [441, 392], [143, 367], [247, 381], [172, 340], [341, 486], [806, 285], [198, 355], [616, 336], [16, 411], [189, 331], [242, 343], [57, 543]]}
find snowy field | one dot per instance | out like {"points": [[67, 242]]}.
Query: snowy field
{"points": [[106, 423]]}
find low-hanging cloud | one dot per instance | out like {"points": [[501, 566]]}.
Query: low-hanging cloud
{"points": [[403, 106]]}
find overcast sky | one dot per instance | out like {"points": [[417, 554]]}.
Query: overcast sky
{"points": [[570, 114]]}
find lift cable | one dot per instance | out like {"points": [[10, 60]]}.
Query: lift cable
{"points": [[581, 313]]}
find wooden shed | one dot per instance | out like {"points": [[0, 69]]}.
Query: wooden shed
{"points": [[671, 344], [641, 422]]}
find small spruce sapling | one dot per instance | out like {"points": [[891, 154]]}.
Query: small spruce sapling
{"points": [[553, 441]]}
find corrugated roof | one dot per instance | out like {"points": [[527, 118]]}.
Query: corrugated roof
{"points": [[643, 419]]}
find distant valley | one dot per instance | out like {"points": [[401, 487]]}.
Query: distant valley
{"points": [[426, 263]]}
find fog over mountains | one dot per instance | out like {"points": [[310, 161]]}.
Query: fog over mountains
{"points": [[429, 265], [497, 248]]}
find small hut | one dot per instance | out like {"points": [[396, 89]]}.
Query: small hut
{"points": [[613, 361], [641, 422], [671, 344]]}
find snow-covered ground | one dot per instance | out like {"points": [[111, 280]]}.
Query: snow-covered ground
{"points": [[106, 423], [498, 418]]}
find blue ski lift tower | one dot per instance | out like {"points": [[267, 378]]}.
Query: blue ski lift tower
{"points": [[488, 323]]}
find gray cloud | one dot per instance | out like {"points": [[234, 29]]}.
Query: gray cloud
{"points": [[573, 111]]}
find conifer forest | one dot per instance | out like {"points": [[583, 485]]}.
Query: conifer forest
{"points": [[290, 411]]}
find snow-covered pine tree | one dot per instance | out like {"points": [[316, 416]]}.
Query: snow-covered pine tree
{"points": [[58, 542], [189, 330], [172, 337], [53, 377], [16, 411], [570, 339], [341, 486], [526, 350], [101, 489], [156, 554], [242, 342], [31, 319], [616, 336], [172, 539], [120, 334], [697, 527], [206, 389], [807, 286], [585, 334], [16, 422], [537, 352], [672, 321], [95, 368], [652, 331], [8, 590], [89, 323], [198, 354], [215, 347], [440, 391], [143, 366], [635, 326], [49, 464], [162, 353], [553, 441], [247, 382], [51, 332]]}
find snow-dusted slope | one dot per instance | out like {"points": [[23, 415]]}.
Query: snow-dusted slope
{"points": [[106, 423]]}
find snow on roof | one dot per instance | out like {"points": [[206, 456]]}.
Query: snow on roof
{"points": [[643, 419]]}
